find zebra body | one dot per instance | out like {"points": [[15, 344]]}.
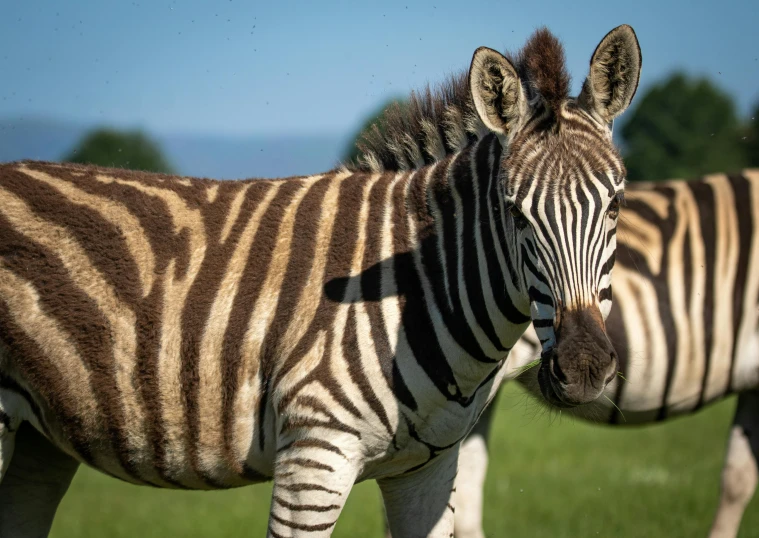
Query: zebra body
{"points": [[318, 330], [685, 323], [192, 409]]}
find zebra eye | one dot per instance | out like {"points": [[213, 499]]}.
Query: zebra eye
{"points": [[520, 221], [614, 206]]}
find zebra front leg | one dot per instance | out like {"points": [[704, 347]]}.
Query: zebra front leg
{"points": [[8, 428], [33, 484], [739, 474], [312, 480], [470, 480], [420, 504]]}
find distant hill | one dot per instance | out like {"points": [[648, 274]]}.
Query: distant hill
{"points": [[222, 157]]}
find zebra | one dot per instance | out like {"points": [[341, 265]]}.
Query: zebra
{"points": [[685, 322], [320, 330]]}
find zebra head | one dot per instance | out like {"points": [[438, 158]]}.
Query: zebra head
{"points": [[562, 182]]}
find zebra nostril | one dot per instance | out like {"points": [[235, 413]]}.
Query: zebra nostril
{"points": [[556, 371], [614, 365]]}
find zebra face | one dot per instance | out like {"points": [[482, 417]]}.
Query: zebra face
{"points": [[562, 184], [565, 236]]}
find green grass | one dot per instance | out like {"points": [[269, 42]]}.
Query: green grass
{"points": [[550, 476]]}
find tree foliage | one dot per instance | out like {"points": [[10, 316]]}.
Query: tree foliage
{"points": [[751, 141], [682, 127], [120, 149]]}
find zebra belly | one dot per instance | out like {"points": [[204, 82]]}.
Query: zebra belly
{"points": [[166, 453], [173, 464]]}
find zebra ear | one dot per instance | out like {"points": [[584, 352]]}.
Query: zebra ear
{"points": [[614, 74], [497, 92]]}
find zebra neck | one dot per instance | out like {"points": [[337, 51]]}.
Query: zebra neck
{"points": [[464, 301]]}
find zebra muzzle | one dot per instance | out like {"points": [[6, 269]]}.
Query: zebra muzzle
{"points": [[583, 361]]}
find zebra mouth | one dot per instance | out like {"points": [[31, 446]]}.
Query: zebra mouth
{"points": [[571, 387], [550, 385], [577, 368]]}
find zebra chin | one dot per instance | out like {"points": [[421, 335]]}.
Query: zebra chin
{"points": [[577, 369]]}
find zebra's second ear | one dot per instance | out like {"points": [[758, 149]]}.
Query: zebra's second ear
{"points": [[614, 74], [497, 92]]}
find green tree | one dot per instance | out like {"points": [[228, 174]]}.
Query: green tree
{"points": [[751, 142], [120, 149], [351, 151], [683, 127]]}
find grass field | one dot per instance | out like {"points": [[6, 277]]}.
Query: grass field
{"points": [[548, 477]]}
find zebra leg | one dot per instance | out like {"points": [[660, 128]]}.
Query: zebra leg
{"points": [[420, 504], [470, 480], [312, 479], [739, 474], [8, 427], [33, 484], [388, 534]]}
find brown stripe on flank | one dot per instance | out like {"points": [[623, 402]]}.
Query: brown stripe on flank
{"points": [[126, 224], [240, 369], [233, 210], [338, 220], [120, 231], [154, 221], [103, 242], [28, 329], [181, 269], [151, 212], [71, 434], [72, 289], [149, 325], [303, 257], [196, 309], [207, 434], [746, 225], [262, 316]]}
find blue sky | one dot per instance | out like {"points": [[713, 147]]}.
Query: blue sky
{"points": [[242, 67]]}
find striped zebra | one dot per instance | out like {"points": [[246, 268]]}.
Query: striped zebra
{"points": [[321, 330], [685, 323]]}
